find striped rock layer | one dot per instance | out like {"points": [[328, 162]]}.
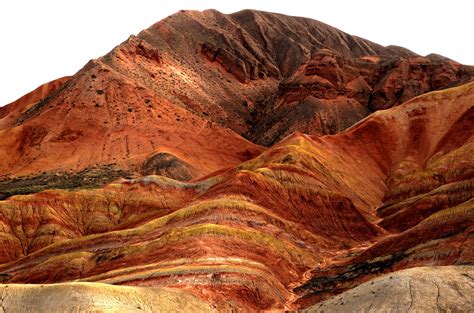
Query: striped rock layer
{"points": [[308, 218]]}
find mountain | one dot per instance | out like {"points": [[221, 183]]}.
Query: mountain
{"points": [[202, 91], [251, 161]]}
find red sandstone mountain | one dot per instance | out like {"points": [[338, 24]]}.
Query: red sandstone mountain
{"points": [[188, 88], [229, 224]]}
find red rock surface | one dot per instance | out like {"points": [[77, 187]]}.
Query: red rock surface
{"points": [[209, 212], [10, 113], [331, 92]]}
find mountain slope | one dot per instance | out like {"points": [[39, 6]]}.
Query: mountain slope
{"points": [[10, 114], [308, 218]]}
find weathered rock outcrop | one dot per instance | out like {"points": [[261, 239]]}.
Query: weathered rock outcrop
{"points": [[419, 289], [330, 92], [428, 204]]}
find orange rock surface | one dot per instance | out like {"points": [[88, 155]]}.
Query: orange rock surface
{"points": [[10, 113], [347, 195]]}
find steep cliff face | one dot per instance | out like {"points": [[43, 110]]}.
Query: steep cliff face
{"points": [[306, 219]]}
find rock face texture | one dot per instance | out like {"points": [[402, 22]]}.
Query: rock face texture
{"points": [[419, 289], [176, 117], [331, 92]]}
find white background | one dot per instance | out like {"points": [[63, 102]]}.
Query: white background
{"points": [[47, 39]]}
